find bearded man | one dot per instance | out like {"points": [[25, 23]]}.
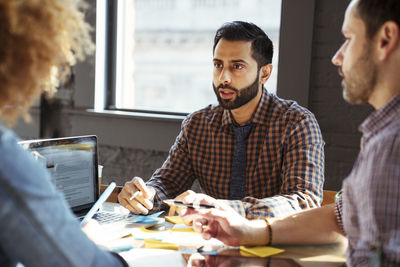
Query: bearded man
{"points": [[262, 154]]}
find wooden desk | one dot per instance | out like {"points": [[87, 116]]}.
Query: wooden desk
{"points": [[317, 255], [308, 256], [114, 195], [294, 256]]}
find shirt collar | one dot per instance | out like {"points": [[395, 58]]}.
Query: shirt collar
{"points": [[258, 116], [380, 118]]}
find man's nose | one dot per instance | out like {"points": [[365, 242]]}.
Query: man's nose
{"points": [[337, 59], [225, 77]]}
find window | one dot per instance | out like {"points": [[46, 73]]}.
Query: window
{"points": [[163, 50]]}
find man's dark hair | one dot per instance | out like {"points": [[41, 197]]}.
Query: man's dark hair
{"points": [[245, 31], [375, 13]]}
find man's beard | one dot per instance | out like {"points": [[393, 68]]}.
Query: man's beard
{"points": [[359, 84], [243, 96]]}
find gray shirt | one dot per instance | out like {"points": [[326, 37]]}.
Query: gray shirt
{"points": [[369, 208]]}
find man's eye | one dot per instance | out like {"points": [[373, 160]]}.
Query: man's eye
{"points": [[238, 66], [217, 65]]}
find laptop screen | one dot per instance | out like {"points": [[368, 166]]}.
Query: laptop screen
{"points": [[72, 163]]}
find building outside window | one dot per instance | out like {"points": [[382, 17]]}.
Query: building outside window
{"points": [[164, 50]]}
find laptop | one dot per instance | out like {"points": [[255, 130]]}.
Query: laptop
{"points": [[73, 166]]}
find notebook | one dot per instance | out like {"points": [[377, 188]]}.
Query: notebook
{"points": [[73, 166]]}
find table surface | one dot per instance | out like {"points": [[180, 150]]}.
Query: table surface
{"points": [[299, 255]]}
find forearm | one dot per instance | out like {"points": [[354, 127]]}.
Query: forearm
{"points": [[315, 226], [273, 207]]}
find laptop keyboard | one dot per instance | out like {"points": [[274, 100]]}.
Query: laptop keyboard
{"points": [[109, 217]]}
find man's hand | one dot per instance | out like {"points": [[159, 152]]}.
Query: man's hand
{"points": [[174, 209], [143, 202], [224, 223]]}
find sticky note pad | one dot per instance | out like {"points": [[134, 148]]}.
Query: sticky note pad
{"points": [[185, 230], [149, 243], [145, 230], [174, 219], [261, 251], [149, 219]]}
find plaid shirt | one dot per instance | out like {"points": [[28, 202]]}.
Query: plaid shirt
{"points": [[285, 159], [369, 207]]}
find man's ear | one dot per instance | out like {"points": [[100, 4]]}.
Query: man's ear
{"points": [[265, 72], [387, 39]]}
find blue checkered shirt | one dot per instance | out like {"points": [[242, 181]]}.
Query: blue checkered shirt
{"points": [[284, 161]]}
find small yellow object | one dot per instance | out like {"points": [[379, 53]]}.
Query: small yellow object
{"points": [[260, 251], [186, 230], [174, 219], [150, 243], [144, 229]]}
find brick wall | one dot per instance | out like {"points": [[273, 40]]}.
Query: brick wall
{"points": [[338, 120]]}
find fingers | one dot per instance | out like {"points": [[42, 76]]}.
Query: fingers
{"points": [[141, 186], [141, 200], [172, 210], [140, 203], [206, 236], [196, 198], [199, 224], [134, 206], [196, 260], [203, 226], [144, 198]]}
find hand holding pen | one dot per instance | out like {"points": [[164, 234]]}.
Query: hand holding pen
{"points": [[136, 196]]}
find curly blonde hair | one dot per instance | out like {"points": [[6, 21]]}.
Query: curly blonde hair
{"points": [[39, 41]]}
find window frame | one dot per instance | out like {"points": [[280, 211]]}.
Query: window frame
{"points": [[111, 32]]}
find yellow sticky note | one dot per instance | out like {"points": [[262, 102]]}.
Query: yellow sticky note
{"points": [[261, 251], [149, 243], [144, 229], [186, 230], [174, 219]]}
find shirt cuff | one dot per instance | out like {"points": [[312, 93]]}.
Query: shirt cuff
{"points": [[237, 205], [339, 210]]}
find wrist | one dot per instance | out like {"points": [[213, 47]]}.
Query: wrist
{"points": [[152, 191], [255, 233]]}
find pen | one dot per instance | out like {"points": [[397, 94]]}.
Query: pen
{"points": [[179, 203], [134, 195]]}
